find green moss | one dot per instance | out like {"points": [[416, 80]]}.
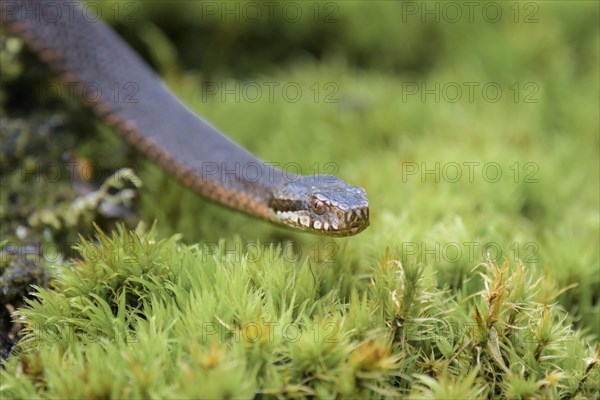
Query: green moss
{"points": [[149, 317]]}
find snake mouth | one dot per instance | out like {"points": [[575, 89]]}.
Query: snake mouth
{"points": [[341, 223], [357, 220]]}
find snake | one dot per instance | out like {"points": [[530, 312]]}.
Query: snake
{"points": [[89, 56]]}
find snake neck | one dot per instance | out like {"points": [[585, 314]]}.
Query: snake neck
{"points": [[92, 60]]}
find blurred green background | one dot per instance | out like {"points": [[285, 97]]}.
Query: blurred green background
{"points": [[386, 87]]}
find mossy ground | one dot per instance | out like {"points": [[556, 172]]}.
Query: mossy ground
{"points": [[483, 284]]}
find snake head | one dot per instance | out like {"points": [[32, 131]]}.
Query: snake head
{"points": [[321, 204]]}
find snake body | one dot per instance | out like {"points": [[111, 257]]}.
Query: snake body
{"points": [[86, 54]]}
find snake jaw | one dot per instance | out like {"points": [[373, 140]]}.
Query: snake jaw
{"points": [[321, 204], [350, 223]]}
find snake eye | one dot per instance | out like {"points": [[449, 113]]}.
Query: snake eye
{"points": [[317, 206]]}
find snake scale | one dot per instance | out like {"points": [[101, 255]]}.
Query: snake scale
{"points": [[86, 52]]}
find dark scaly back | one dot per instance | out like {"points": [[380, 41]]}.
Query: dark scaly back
{"points": [[89, 54]]}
